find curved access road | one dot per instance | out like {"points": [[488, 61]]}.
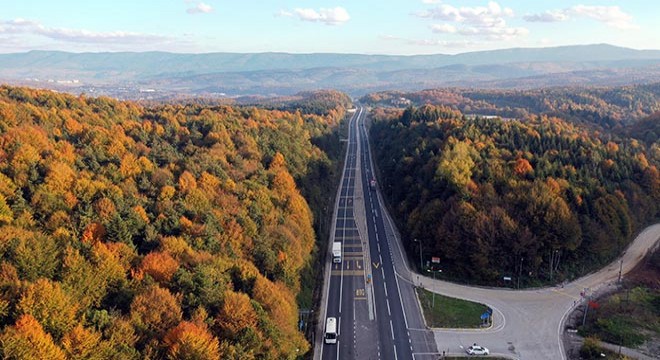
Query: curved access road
{"points": [[528, 323]]}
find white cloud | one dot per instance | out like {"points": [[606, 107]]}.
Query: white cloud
{"points": [[28, 27], [494, 33], [431, 42], [442, 12], [199, 8], [283, 13], [443, 28], [331, 16], [491, 15], [547, 16], [431, 1], [611, 16], [488, 22]]}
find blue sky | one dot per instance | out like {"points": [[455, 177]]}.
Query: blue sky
{"points": [[306, 26]]}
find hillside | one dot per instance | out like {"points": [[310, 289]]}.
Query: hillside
{"points": [[174, 231], [164, 75], [494, 198], [604, 108]]}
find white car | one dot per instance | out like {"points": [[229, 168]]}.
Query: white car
{"points": [[477, 350]]}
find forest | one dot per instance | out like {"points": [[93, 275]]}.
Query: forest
{"points": [[150, 232], [602, 108], [538, 199]]}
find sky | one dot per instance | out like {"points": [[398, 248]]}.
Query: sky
{"points": [[402, 27]]}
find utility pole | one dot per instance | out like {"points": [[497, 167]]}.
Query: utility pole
{"points": [[620, 269]]}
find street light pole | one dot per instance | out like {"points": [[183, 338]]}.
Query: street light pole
{"points": [[433, 302], [421, 262], [520, 271], [433, 294]]}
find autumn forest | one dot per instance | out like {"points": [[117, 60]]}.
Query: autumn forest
{"points": [[195, 230], [538, 197], [170, 231]]}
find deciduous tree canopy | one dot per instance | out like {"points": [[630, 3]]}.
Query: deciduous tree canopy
{"points": [[173, 231], [487, 195]]}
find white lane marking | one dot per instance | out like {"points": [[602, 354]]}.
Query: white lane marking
{"points": [[398, 288], [392, 329], [389, 312], [385, 288], [332, 235]]}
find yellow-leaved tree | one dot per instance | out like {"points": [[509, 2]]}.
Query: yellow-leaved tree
{"points": [[189, 341], [27, 340]]}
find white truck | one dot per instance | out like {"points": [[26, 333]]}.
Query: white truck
{"points": [[336, 252]]}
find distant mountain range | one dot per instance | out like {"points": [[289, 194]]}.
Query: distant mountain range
{"points": [[159, 74]]}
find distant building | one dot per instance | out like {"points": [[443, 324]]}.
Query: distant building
{"points": [[401, 102]]}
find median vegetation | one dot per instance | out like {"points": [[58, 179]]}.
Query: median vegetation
{"points": [[446, 312]]}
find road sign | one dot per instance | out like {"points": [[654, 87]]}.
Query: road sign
{"points": [[507, 278], [435, 260]]}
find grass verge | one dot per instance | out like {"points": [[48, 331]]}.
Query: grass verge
{"points": [[629, 317], [450, 312]]}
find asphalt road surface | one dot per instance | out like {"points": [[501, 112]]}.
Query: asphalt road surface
{"points": [[377, 311]]}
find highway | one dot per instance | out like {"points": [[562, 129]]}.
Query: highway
{"points": [[376, 307]]}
